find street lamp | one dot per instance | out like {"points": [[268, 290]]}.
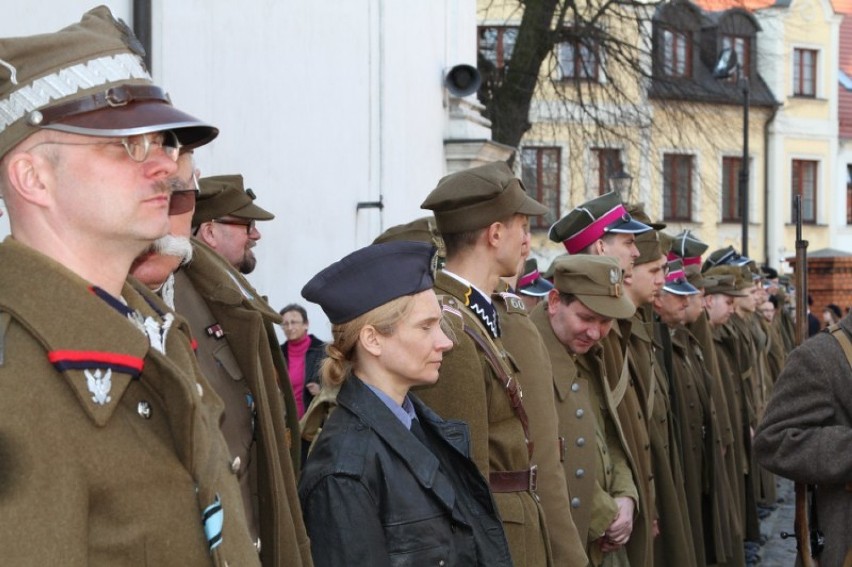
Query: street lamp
{"points": [[727, 66], [620, 182]]}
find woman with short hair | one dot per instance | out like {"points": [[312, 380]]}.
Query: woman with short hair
{"points": [[388, 482]]}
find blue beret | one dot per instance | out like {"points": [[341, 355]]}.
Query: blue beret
{"points": [[370, 277]]}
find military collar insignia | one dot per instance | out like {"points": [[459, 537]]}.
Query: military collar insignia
{"points": [[99, 384], [484, 311], [155, 331]]}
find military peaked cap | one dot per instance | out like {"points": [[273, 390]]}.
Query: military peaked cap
{"points": [[591, 220], [597, 281], [224, 195]]}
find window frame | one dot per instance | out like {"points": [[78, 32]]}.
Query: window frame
{"points": [[798, 74], [604, 173], [673, 161], [578, 62], [665, 67], [537, 190], [501, 58], [730, 208], [743, 55], [796, 166]]}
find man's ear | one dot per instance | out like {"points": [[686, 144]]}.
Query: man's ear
{"points": [[600, 247], [206, 234], [552, 300], [371, 340], [29, 176], [494, 233]]}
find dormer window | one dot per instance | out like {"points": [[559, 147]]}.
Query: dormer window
{"points": [[741, 45], [677, 53]]}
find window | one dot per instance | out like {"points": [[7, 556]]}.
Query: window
{"points": [[677, 187], [804, 72], [540, 174], [677, 54], [731, 189], [608, 162], [497, 43], [742, 47], [804, 180], [578, 59], [849, 194]]}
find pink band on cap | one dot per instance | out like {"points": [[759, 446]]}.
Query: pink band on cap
{"points": [[585, 237], [675, 276], [528, 279], [692, 261]]}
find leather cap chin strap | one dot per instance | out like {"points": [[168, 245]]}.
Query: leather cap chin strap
{"points": [[114, 97]]}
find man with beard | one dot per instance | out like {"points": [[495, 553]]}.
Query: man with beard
{"points": [[238, 354], [603, 227], [225, 218]]}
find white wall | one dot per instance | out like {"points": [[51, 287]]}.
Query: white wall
{"points": [[321, 105]]}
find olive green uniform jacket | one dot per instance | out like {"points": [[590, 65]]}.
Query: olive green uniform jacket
{"points": [[469, 390], [615, 467], [254, 359], [674, 546], [576, 423], [110, 451], [524, 343], [623, 386]]}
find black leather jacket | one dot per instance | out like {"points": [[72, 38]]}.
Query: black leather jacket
{"points": [[373, 495]]}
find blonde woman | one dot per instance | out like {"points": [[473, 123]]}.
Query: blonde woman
{"points": [[389, 482]]}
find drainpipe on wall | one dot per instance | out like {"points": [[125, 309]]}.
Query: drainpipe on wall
{"points": [[766, 184], [142, 28]]}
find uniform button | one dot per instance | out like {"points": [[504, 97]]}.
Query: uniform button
{"points": [[575, 502], [257, 545], [581, 441], [580, 412], [580, 473], [441, 563], [575, 387], [199, 388], [235, 465], [143, 408]]}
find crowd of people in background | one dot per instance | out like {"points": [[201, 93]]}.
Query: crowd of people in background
{"points": [[617, 409]]}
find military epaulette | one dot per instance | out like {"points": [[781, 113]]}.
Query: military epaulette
{"points": [[514, 304], [451, 309]]}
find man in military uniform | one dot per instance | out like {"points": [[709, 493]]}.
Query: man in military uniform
{"points": [[110, 440], [482, 214], [602, 226], [674, 544], [229, 228], [578, 314], [232, 327]]}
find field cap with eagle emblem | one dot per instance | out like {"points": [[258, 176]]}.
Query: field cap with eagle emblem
{"points": [[87, 79], [474, 198], [592, 220], [649, 243], [597, 281], [225, 195]]}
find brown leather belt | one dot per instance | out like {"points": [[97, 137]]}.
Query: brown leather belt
{"points": [[514, 481]]}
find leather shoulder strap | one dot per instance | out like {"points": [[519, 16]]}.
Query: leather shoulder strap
{"points": [[510, 385], [5, 320], [845, 343]]}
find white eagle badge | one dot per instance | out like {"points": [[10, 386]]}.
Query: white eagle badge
{"points": [[99, 383]]}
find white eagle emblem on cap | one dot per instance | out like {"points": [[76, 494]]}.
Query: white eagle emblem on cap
{"points": [[614, 276]]}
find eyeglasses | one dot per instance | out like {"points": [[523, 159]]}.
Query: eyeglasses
{"points": [[249, 224], [183, 201], [138, 147]]}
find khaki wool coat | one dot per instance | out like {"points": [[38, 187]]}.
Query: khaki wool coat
{"points": [[634, 423], [674, 546], [576, 428], [523, 341], [615, 468], [468, 389], [247, 321], [110, 451], [807, 432]]}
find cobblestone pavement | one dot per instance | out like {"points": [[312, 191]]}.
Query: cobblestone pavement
{"points": [[778, 552]]}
